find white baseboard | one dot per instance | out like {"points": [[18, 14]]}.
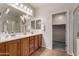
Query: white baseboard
{"points": [[70, 53], [47, 47]]}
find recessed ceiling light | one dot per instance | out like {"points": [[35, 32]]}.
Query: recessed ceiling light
{"points": [[60, 17]]}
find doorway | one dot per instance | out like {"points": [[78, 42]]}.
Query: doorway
{"points": [[59, 31]]}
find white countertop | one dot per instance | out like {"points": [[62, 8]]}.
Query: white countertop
{"points": [[17, 37]]}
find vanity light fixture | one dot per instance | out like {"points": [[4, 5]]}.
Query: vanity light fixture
{"points": [[30, 11], [21, 5], [25, 7], [60, 17]]}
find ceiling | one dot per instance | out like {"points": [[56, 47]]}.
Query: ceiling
{"points": [[38, 5], [13, 11], [44, 5]]}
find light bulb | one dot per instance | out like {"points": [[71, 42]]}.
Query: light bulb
{"points": [[30, 11], [25, 7], [21, 5], [60, 17]]}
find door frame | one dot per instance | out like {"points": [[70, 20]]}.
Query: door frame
{"points": [[76, 7], [67, 28]]}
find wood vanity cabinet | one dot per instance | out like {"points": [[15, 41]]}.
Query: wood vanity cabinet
{"points": [[21, 47], [36, 42], [25, 46], [12, 48], [2, 49], [40, 40], [31, 43]]}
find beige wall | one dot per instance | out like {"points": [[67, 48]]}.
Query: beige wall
{"points": [[59, 19], [76, 28], [46, 14], [10, 19]]}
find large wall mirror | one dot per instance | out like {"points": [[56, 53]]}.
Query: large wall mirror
{"points": [[14, 20], [36, 24]]}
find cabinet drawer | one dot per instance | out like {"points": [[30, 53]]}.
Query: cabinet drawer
{"points": [[3, 49], [31, 50], [25, 47], [36, 42], [12, 48], [40, 40], [31, 41], [32, 44]]}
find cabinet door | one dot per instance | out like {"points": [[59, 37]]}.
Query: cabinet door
{"points": [[3, 49], [25, 46], [36, 42], [40, 41], [11, 48], [32, 44]]}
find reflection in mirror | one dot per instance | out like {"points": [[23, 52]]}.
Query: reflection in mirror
{"points": [[5, 26], [14, 20], [38, 24], [33, 24]]}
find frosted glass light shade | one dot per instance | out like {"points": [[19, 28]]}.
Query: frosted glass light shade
{"points": [[25, 7], [21, 5]]}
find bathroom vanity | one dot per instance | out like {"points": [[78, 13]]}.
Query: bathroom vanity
{"points": [[21, 45], [15, 25]]}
